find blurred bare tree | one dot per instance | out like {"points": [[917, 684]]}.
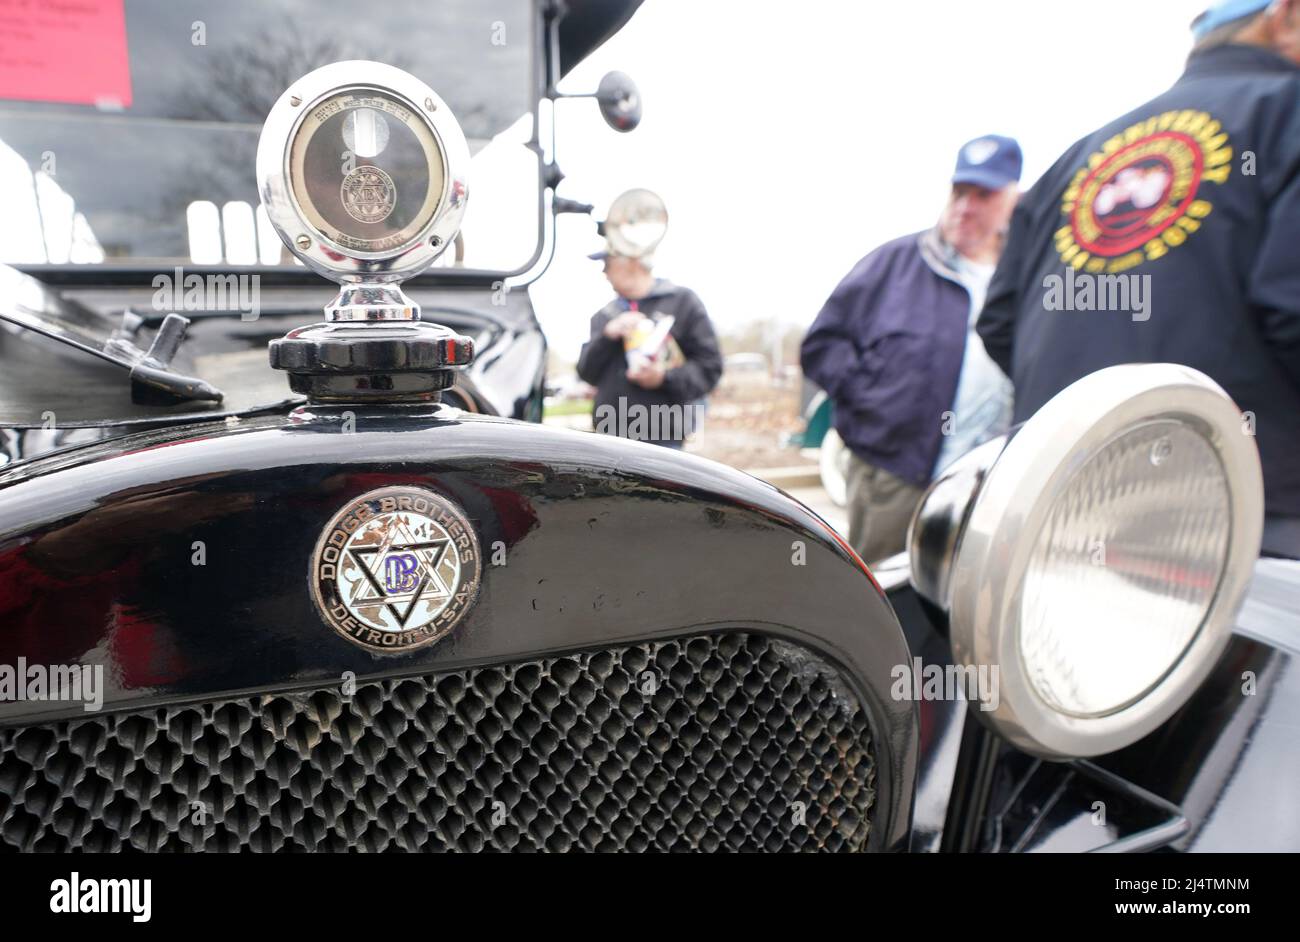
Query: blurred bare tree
{"points": [[245, 80]]}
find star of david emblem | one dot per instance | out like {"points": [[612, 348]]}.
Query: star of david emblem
{"points": [[396, 568], [416, 572]]}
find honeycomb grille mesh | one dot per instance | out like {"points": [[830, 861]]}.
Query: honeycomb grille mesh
{"points": [[730, 741]]}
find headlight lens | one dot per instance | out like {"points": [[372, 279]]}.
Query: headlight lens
{"points": [[1096, 561], [1142, 528]]}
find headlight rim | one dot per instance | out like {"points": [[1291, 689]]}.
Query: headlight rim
{"points": [[1017, 494]]}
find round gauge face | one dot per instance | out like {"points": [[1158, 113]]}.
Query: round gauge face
{"points": [[366, 171]]}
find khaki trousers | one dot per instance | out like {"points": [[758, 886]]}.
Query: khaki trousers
{"points": [[880, 508]]}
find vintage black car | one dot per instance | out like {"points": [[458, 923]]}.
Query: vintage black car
{"points": [[353, 598]]}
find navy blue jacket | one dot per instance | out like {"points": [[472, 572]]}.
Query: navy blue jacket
{"points": [[887, 347], [1209, 208]]}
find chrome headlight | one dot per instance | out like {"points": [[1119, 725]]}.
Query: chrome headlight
{"points": [[1097, 557]]}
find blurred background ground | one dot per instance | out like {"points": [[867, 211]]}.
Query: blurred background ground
{"points": [[758, 404], [745, 426]]}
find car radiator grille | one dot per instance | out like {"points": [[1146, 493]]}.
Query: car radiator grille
{"points": [[725, 741]]}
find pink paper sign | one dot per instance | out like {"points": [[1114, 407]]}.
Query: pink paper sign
{"points": [[65, 50]]}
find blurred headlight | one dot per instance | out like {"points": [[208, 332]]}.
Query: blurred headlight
{"points": [[1098, 557]]}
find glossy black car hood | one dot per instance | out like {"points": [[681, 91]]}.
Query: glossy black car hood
{"points": [[589, 542]]}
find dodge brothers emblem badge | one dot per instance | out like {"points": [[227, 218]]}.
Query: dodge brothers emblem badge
{"points": [[396, 569], [368, 194]]}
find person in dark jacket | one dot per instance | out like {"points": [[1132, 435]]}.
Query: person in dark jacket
{"points": [[1172, 234], [649, 395], [895, 349]]}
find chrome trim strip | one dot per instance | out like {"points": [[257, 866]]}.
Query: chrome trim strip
{"points": [[1271, 612]]}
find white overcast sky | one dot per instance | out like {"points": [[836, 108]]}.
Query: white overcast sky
{"points": [[790, 138]]}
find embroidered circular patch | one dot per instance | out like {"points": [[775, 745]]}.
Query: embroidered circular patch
{"points": [[1140, 195], [396, 569]]}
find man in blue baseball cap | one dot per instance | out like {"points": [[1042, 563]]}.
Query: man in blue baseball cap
{"points": [[895, 349], [1184, 215]]}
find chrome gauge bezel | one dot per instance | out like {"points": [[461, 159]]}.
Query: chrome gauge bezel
{"points": [[305, 240]]}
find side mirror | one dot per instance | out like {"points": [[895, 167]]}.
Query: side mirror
{"points": [[618, 98], [619, 101]]}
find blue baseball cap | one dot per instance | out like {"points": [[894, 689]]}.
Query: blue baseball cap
{"points": [[991, 161], [1223, 12]]}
